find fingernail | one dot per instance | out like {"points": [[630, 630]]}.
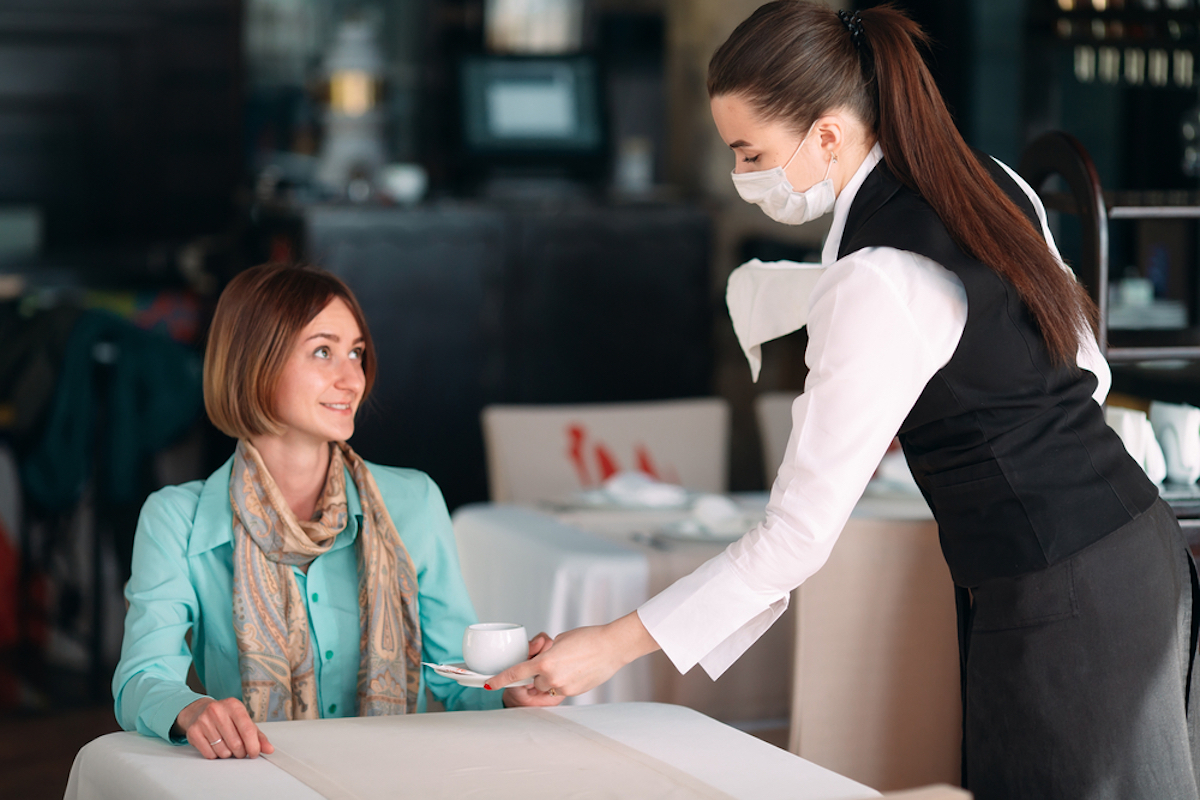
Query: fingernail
{"points": [[487, 686]]}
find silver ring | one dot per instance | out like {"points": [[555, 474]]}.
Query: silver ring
{"points": [[214, 744]]}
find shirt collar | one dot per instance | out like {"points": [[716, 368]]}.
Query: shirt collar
{"points": [[841, 207], [213, 524]]}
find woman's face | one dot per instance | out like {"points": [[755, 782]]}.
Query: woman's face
{"points": [[759, 145], [323, 381]]}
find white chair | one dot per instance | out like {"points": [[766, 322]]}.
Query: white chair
{"points": [[546, 452], [773, 412]]}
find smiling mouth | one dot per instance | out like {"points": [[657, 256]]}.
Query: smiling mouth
{"points": [[337, 406]]}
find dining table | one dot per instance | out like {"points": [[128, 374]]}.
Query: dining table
{"points": [[554, 566], [618, 750], [755, 691]]}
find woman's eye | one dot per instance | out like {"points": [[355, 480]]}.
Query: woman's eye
{"points": [[321, 352], [750, 159], [356, 354]]}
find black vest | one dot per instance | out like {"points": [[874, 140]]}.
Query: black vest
{"points": [[1011, 452]]}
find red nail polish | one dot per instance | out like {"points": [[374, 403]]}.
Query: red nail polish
{"points": [[487, 686]]}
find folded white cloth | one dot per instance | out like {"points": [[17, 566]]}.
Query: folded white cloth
{"points": [[1177, 428], [767, 300], [1138, 435], [639, 490]]}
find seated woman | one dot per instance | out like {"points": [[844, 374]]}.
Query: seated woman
{"points": [[314, 583]]}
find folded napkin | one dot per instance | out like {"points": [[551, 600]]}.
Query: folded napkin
{"points": [[714, 517], [767, 300], [639, 490], [1177, 431], [1138, 435]]}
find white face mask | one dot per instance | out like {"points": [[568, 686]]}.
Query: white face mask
{"points": [[770, 190]]}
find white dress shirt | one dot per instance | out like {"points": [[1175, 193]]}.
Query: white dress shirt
{"points": [[881, 323]]}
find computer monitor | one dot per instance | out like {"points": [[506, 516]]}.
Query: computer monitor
{"points": [[538, 115]]}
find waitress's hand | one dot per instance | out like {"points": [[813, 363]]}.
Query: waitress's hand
{"points": [[584, 658], [531, 695], [222, 729]]}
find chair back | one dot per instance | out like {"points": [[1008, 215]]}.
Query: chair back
{"points": [[773, 412], [546, 452]]}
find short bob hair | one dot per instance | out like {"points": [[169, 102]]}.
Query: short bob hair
{"points": [[253, 331]]}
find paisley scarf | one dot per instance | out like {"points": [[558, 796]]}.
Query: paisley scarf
{"points": [[270, 619]]}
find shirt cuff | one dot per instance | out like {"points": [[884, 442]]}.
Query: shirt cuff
{"points": [[710, 617], [162, 718]]}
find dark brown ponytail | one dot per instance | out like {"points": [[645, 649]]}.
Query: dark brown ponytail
{"points": [[794, 61]]}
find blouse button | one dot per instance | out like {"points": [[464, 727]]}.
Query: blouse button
{"points": [[333, 708], [314, 597], [328, 655]]}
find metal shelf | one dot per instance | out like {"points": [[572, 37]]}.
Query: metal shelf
{"points": [[1126, 355], [1064, 202], [1059, 154], [1154, 212]]}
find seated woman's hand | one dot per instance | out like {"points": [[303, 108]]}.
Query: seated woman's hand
{"points": [[222, 729], [531, 695]]}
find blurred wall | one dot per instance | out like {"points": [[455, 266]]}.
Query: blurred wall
{"points": [[700, 163]]}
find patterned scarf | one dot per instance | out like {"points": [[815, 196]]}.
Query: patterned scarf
{"points": [[275, 653]]}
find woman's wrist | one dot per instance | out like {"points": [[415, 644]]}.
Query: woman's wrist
{"points": [[188, 715], [630, 637]]}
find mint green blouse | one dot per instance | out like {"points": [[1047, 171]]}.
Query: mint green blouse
{"points": [[183, 580]]}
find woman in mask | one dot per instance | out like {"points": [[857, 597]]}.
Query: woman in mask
{"points": [[944, 315], [312, 582]]}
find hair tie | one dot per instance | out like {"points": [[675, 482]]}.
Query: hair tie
{"points": [[853, 24]]}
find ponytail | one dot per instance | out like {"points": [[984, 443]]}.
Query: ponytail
{"points": [[795, 61]]}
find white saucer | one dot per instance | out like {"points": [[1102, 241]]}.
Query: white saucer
{"points": [[465, 677]]}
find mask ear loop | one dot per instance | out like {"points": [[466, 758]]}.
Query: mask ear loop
{"points": [[802, 141], [833, 160]]}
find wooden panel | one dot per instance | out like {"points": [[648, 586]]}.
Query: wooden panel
{"points": [[429, 285], [476, 306], [120, 119], [610, 306]]}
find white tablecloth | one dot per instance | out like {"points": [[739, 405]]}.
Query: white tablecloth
{"points": [[378, 757], [524, 566], [755, 692], [876, 686], [558, 568]]}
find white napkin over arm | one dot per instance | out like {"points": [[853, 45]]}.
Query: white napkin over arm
{"points": [[767, 300]]}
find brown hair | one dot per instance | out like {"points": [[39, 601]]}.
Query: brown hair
{"points": [[254, 327], [795, 61]]}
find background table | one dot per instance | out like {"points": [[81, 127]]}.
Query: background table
{"points": [[755, 692], [562, 567], [523, 566], [876, 686], [129, 766], [864, 663]]}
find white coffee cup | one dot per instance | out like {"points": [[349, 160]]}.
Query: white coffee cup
{"points": [[492, 647]]}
